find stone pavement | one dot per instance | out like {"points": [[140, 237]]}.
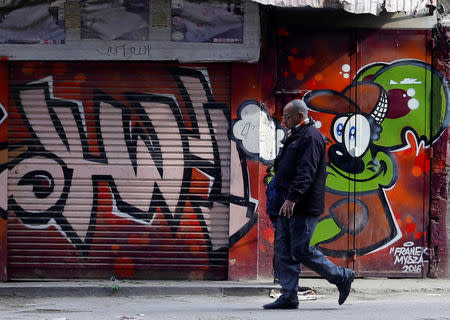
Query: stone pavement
{"points": [[361, 287]]}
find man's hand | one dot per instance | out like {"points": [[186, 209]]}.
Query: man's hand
{"points": [[287, 209]]}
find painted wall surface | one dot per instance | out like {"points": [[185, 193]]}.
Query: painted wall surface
{"points": [[118, 170], [375, 96], [243, 258], [381, 106], [3, 163], [254, 145], [59, 115]]}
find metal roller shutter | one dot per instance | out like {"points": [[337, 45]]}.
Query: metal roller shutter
{"points": [[118, 169]]}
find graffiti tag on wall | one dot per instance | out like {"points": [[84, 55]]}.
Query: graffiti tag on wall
{"points": [[410, 257]]}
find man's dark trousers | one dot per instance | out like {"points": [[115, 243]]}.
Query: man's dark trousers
{"points": [[292, 250]]}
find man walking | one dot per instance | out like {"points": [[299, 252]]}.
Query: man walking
{"points": [[300, 174]]}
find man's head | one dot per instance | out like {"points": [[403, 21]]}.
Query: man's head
{"points": [[294, 112]]}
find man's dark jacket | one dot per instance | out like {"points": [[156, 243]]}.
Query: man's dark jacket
{"points": [[300, 170]]}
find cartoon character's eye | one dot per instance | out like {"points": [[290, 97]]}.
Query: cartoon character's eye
{"points": [[357, 135], [338, 128], [352, 133]]}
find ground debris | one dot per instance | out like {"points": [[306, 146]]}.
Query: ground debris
{"points": [[305, 294], [137, 317]]}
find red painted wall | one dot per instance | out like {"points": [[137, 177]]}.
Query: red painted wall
{"points": [[243, 252], [386, 227], [383, 215], [3, 164], [117, 169]]}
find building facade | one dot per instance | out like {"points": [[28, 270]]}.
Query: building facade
{"points": [[137, 137]]}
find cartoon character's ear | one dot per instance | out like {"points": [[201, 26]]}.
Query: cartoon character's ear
{"points": [[329, 101], [368, 96]]}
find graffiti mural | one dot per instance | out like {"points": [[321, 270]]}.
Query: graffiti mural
{"points": [[257, 133], [392, 106], [380, 111], [115, 172], [258, 138], [133, 179]]}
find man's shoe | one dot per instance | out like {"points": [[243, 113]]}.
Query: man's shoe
{"points": [[281, 303], [344, 288]]}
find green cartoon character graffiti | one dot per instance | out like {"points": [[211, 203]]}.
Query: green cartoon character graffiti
{"points": [[372, 117]]}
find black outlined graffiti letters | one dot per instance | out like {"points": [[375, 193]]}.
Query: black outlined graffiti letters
{"points": [[142, 141]]}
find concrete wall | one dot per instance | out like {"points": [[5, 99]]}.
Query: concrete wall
{"points": [[156, 45]]}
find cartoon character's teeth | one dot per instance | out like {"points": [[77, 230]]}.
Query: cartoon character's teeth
{"points": [[380, 110]]}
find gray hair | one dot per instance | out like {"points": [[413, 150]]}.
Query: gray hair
{"points": [[299, 106]]}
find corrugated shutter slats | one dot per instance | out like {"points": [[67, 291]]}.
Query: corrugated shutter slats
{"points": [[118, 169]]}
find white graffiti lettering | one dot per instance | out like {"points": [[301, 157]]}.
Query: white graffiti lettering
{"points": [[151, 148], [410, 257]]}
